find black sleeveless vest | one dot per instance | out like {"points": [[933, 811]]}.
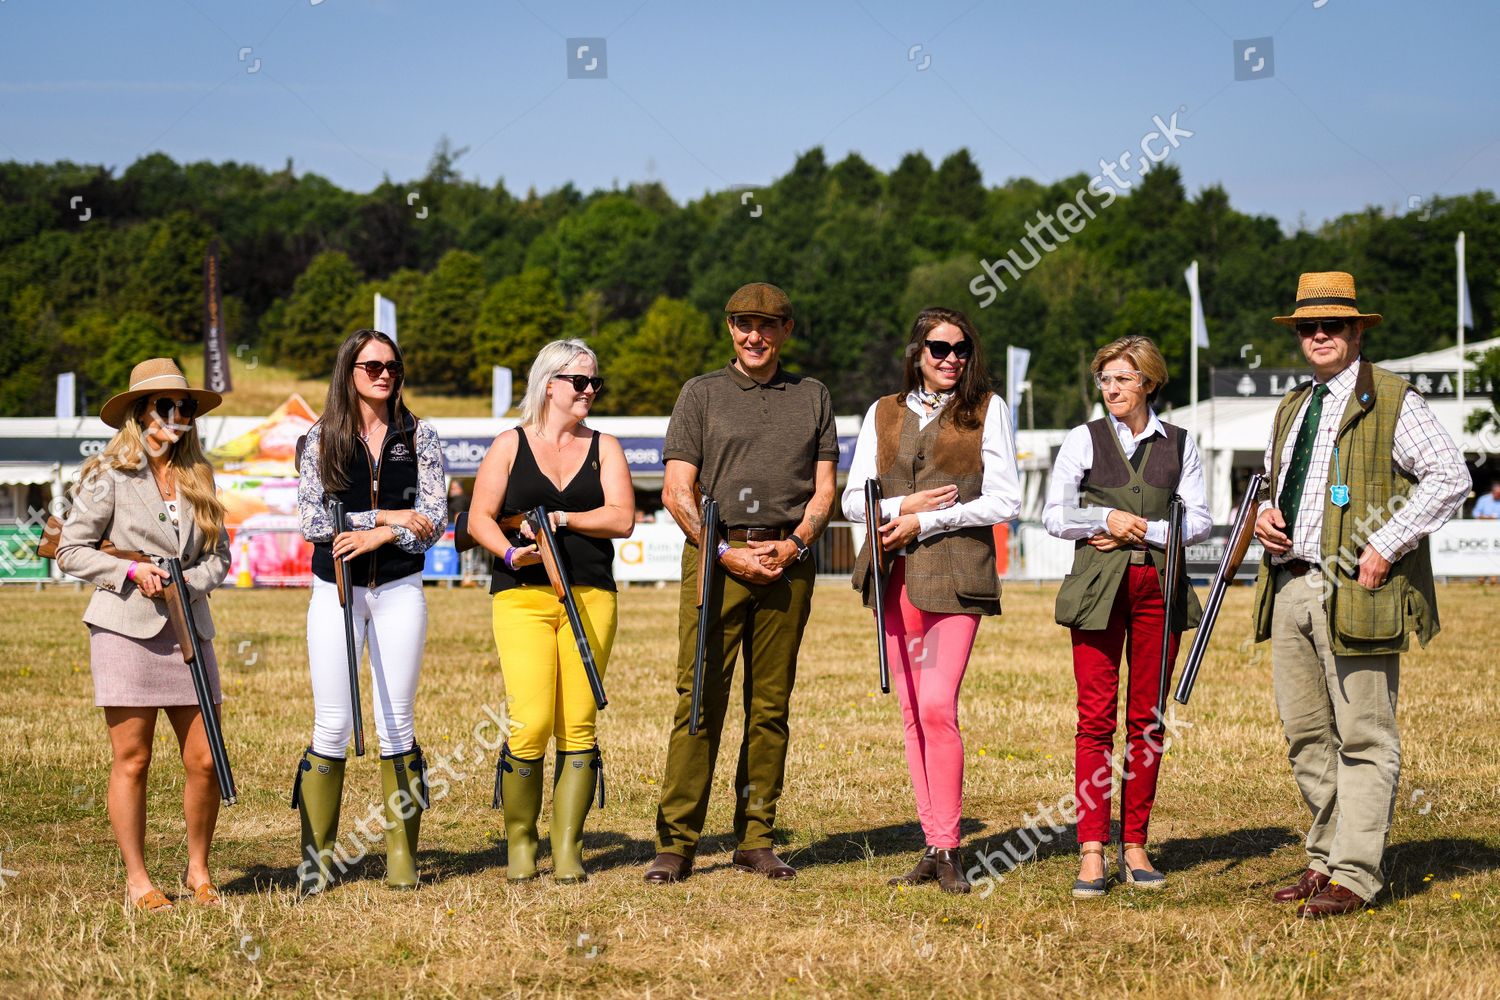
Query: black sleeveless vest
{"points": [[590, 561], [391, 485]]}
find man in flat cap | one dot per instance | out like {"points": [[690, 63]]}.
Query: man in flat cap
{"points": [[1359, 473], [761, 442]]}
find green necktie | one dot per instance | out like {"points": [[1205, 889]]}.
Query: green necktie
{"points": [[1296, 473]]}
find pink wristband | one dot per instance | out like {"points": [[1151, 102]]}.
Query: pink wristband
{"points": [[130, 570]]}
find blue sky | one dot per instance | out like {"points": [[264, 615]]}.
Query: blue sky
{"points": [[1370, 101]]}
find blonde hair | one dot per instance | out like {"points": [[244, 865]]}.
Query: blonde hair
{"points": [[195, 475], [1143, 355], [549, 361]]}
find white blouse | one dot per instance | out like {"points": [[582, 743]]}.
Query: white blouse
{"points": [[1000, 491]]}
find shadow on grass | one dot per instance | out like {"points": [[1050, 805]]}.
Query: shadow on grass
{"points": [[1408, 864], [896, 839]]}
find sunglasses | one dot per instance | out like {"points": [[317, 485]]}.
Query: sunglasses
{"points": [[581, 382], [1125, 380], [940, 349], [1332, 327], [186, 408], [374, 368]]}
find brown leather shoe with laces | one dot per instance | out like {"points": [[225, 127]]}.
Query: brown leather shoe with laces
{"points": [[1333, 901], [763, 861], [669, 868], [1308, 884]]}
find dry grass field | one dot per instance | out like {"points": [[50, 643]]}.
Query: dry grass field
{"points": [[1226, 832]]}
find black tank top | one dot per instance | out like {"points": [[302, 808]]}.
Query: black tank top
{"points": [[590, 561]]}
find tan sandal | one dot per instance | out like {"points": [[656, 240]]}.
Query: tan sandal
{"points": [[150, 902], [204, 894], [1140, 878]]}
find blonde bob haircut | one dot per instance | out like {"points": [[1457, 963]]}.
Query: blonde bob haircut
{"points": [[1143, 356], [550, 360]]}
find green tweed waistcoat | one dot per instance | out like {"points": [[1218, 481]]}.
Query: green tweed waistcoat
{"points": [[953, 572], [1145, 489], [1361, 622]]}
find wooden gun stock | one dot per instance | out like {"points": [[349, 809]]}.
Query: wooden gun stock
{"points": [[879, 567], [463, 541], [557, 574]]}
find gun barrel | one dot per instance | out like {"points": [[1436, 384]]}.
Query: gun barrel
{"points": [[1174, 583], [708, 561], [557, 572], [874, 518], [193, 653], [351, 653]]}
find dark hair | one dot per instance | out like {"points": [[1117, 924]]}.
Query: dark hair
{"points": [[340, 420], [972, 393]]}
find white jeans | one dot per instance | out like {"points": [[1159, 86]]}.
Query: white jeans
{"points": [[391, 620]]}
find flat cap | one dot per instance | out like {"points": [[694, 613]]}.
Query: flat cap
{"points": [[760, 298]]}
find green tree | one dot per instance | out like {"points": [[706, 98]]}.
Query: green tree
{"points": [[521, 314], [438, 340], [306, 331], [646, 366]]}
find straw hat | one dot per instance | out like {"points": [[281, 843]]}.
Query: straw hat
{"points": [[149, 378], [1323, 294]]}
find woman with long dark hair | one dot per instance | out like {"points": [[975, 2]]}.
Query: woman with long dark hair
{"points": [[944, 454], [1112, 482], [151, 490], [553, 460], [370, 452]]}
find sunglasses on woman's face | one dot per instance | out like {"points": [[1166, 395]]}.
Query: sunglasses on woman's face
{"points": [[940, 349], [186, 408], [374, 368], [1332, 327], [582, 382]]}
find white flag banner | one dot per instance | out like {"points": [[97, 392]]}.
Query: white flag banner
{"points": [[66, 395], [1200, 324], [500, 391], [1465, 304], [385, 315], [1017, 360]]}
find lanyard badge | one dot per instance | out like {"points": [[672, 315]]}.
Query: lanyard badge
{"points": [[1338, 492]]}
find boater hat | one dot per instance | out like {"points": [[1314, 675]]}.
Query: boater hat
{"points": [[759, 298], [149, 378], [1326, 295]]}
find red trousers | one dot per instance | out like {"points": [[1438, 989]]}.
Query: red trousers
{"points": [[1137, 616]]}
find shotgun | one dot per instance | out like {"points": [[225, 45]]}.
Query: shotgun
{"points": [[1235, 547], [557, 573], [463, 541], [880, 566], [1171, 593], [346, 601], [708, 564]]}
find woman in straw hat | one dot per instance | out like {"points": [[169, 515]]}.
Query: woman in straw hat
{"points": [[150, 490], [1112, 483], [370, 452]]}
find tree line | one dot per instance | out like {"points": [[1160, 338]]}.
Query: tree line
{"points": [[99, 268]]}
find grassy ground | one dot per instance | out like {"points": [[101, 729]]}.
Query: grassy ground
{"points": [[1225, 830]]}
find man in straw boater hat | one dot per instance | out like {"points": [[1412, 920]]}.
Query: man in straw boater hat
{"points": [[1359, 473], [760, 441]]}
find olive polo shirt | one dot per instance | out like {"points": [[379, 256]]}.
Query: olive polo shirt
{"points": [[756, 447]]}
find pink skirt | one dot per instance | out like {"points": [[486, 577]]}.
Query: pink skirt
{"points": [[146, 673]]}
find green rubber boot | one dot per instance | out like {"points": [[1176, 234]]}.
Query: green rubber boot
{"points": [[316, 794], [404, 795], [518, 788], [578, 776]]}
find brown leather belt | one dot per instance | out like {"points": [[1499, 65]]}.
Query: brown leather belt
{"points": [[1298, 567], [1138, 557], [757, 534]]}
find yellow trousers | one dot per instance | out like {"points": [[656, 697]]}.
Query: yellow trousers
{"points": [[546, 690]]}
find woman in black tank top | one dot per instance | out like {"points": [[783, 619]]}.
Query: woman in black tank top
{"points": [[580, 476]]}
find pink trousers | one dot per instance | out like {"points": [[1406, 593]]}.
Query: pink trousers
{"points": [[928, 654]]}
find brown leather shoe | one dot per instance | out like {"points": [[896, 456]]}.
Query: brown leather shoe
{"points": [[1308, 884], [1333, 901], [763, 861], [950, 871], [669, 868], [925, 871]]}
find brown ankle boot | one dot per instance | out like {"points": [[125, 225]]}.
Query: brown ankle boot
{"points": [[925, 870], [950, 871]]}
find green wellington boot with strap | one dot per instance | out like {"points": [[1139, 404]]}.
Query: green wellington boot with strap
{"points": [[579, 775], [518, 789], [403, 788], [316, 793]]}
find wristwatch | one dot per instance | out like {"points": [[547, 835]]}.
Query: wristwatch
{"points": [[562, 519], [802, 550]]}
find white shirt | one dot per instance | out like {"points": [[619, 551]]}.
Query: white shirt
{"points": [[1421, 447], [1000, 490], [1063, 515]]}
